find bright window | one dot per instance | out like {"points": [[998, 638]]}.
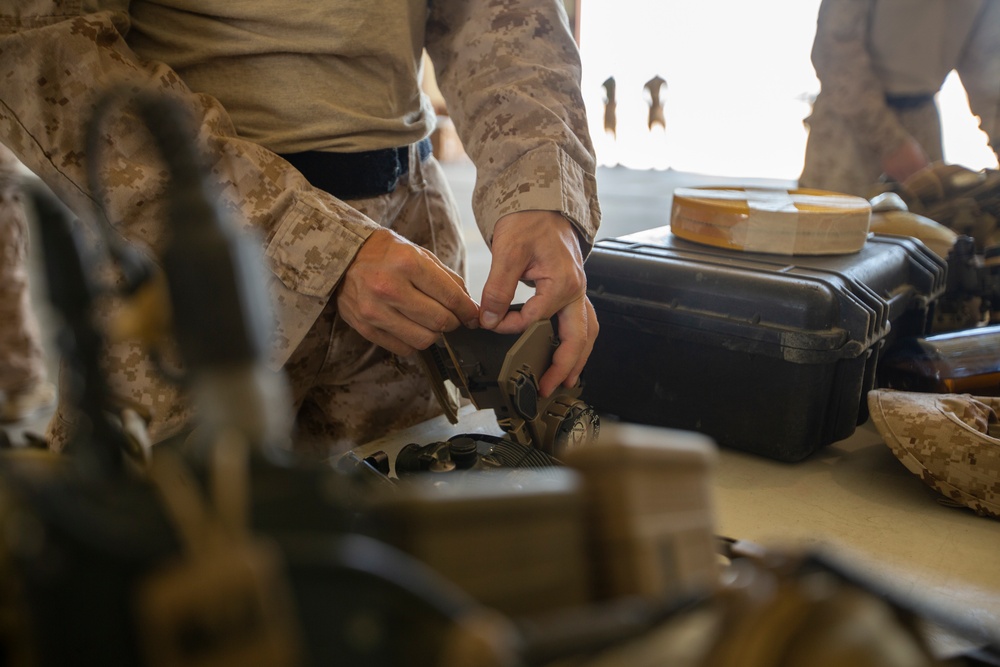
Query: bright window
{"points": [[739, 83]]}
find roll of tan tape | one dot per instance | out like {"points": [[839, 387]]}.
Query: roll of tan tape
{"points": [[784, 222]]}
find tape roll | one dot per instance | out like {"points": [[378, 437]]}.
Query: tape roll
{"points": [[785, 222]]}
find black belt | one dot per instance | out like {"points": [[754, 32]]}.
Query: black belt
{"points": [[357, 175], [909, 101]]}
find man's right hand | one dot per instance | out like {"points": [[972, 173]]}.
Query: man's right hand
{"points": [[401, 297], [905, 161]]}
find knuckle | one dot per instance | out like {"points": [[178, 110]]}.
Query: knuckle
{"points": [[492, 296], [457, 304], [444, 322], [381, 288], [409, 260], [399, 348], [368, 312], [424, 340]]}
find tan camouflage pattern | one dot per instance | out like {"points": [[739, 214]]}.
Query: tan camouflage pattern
{"points": [[524, 126], [948, 440], [851, 127], [22, 360], [346, 390], [509, 71]]}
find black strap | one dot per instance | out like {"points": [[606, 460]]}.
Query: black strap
{"points": [[357, 175], [909, 101]]}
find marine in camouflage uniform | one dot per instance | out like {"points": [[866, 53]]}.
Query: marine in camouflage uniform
{"points": [[879, 63], [264, 78], [23, 384]]}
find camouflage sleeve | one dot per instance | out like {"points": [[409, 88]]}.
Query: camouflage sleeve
{"points": [[53, 68], [979, 70], [510, 73], [848, 80]]}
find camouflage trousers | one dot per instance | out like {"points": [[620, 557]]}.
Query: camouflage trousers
{"points": [[348, 391], [21, 357], [345, 390], [836, 160]]}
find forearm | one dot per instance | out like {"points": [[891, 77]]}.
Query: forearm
{"points": [[510, 73]]}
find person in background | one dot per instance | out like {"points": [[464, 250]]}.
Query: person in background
{"points": [[24, 386], [312, 122], [880, 64]]}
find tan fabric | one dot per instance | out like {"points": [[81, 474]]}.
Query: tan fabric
{"points": [[510, 71], [22, 362], [51, 78], [837, 159], [347, 390], [851, 126], [333, 102], [523, 125], [947, 440], [939, 29]]}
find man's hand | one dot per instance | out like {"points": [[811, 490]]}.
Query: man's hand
{"points": [[905, 161], [400, 296], [542, 246]]}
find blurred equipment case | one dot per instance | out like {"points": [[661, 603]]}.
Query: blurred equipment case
{"points": [[651, 518], [515, 541], [769, 354]]}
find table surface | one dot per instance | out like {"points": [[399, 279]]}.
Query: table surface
{"points": [[852, 499]]}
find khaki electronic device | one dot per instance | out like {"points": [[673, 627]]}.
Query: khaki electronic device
{"points": [[502, 372]]}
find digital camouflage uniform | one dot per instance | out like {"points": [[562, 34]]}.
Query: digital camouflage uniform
{"points": [[22, 362], [523, 125], [857, 44]]}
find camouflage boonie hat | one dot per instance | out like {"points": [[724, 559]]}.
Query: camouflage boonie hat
{"points": [[950, 441]]}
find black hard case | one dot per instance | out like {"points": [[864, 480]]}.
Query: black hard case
{"points": [[769, 354]]}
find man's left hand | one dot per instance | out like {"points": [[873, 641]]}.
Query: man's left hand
{"points": [[542, 247]]}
